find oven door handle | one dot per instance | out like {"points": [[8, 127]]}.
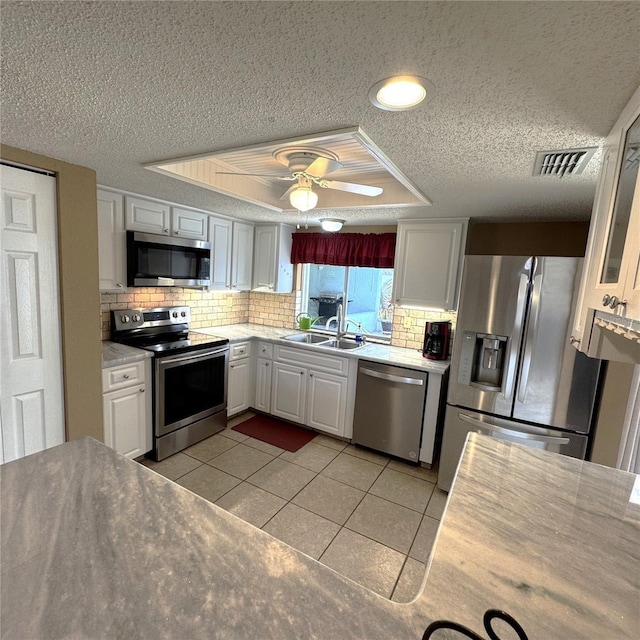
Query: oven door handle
{"points": [[195, 355]]}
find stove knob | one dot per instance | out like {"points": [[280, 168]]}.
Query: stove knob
{"points": [[175, 314], [136, 318], [124, 319], [183, 314]]}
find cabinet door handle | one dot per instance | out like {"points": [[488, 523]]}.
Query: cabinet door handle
{"points": [[166, 230], [141, 389], [125, 376], [119, 285], [232, 365]]}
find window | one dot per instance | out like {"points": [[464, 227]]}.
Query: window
{"points": [[368, 300]]}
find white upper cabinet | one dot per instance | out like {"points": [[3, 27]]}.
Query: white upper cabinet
{"points": [[186, 223], [220, 239], [111, 241], [151, 216], [272, 268], [241, 256], [428, 261], [611, 274], [148, 216]]}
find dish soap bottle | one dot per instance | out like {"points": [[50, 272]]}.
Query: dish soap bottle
{"points": [[359, 338]]}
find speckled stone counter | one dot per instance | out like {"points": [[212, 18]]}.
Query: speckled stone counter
{"points": [[94, 545], [371, 351], [114, 353]]}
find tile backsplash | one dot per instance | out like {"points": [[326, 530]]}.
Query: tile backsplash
{"points": [[213, 308], [208, 308], [409, 324]]}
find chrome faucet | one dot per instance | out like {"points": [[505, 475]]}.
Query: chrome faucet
{"points": [[340, 328]]}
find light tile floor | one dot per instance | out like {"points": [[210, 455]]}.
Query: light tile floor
{"points": [[368, 517]]}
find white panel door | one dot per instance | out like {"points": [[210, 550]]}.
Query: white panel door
{"points": [[111, 241], [242, 256], [327, 402], [264, 258], [220, 239], [189, 224], [31, 396], [263, 385], [238, 386], [288, 392], [147, 216], [125, 421]]}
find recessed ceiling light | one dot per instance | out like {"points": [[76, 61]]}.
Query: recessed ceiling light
{"points": [[400, 93]]}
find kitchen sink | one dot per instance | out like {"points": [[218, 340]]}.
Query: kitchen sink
{"points": [[307, 338], [342, 344]]}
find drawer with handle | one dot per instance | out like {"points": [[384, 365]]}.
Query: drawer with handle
{"points": [[122, 376], [239, 350]]}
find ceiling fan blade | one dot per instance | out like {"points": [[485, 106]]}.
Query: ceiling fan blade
{"points": [[362, 189], [285, 195], [256, 175], [322, 166]]}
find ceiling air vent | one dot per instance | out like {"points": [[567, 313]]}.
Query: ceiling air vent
{"points": [[568, 162]]}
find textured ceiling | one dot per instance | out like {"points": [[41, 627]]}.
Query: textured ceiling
{"points": [[115, 85]]}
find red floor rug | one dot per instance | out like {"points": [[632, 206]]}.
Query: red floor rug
{"points": [[273, 431]]}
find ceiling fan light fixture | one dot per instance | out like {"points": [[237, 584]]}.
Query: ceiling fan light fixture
{"points": [[400, 93], [303, 198], [331, 224]]}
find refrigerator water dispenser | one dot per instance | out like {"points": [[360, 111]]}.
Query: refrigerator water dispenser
{"points": [[482, 360]]}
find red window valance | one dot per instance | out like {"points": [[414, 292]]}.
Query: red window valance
{"points": [[344, 249]]}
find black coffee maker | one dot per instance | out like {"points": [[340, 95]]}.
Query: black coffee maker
{"points": [[436, 340]]}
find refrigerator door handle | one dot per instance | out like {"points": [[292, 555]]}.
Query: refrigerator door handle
{"points": [[530, 340], [521, 435], [514, 343]]}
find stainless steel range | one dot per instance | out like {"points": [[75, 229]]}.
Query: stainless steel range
{"points": [[189, 374]]}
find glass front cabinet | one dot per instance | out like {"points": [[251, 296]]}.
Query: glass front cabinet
{"points": [[611, 274]]}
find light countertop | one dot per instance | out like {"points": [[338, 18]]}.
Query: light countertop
{"points": [[114, 354], [370, 351], [94, 545]]}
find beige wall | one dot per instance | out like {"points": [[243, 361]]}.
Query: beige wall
{"points": [[612, 412], [79, 298], [528, 238]]}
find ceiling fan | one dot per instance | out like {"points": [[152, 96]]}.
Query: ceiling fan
{"points": [[307, 169]]}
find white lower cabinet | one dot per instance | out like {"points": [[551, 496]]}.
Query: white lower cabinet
{"points": [[239, 386], [239, 390], [311, 393], [289, 392], [263, 385], [126, 405], [327, 402]]}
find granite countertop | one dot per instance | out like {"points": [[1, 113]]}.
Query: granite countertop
{"points": [[371, 351], [94, 545], [114, 354]]}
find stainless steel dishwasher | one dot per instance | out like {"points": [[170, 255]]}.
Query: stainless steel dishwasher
{"points": [[389, 409]]}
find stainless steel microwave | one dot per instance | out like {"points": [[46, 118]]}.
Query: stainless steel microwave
{"points": [[155, 260]]}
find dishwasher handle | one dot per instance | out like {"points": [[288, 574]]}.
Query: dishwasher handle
{"points": [[390, 377]]}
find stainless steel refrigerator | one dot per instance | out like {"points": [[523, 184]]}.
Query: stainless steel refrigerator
{"points": [[514, 375]]}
